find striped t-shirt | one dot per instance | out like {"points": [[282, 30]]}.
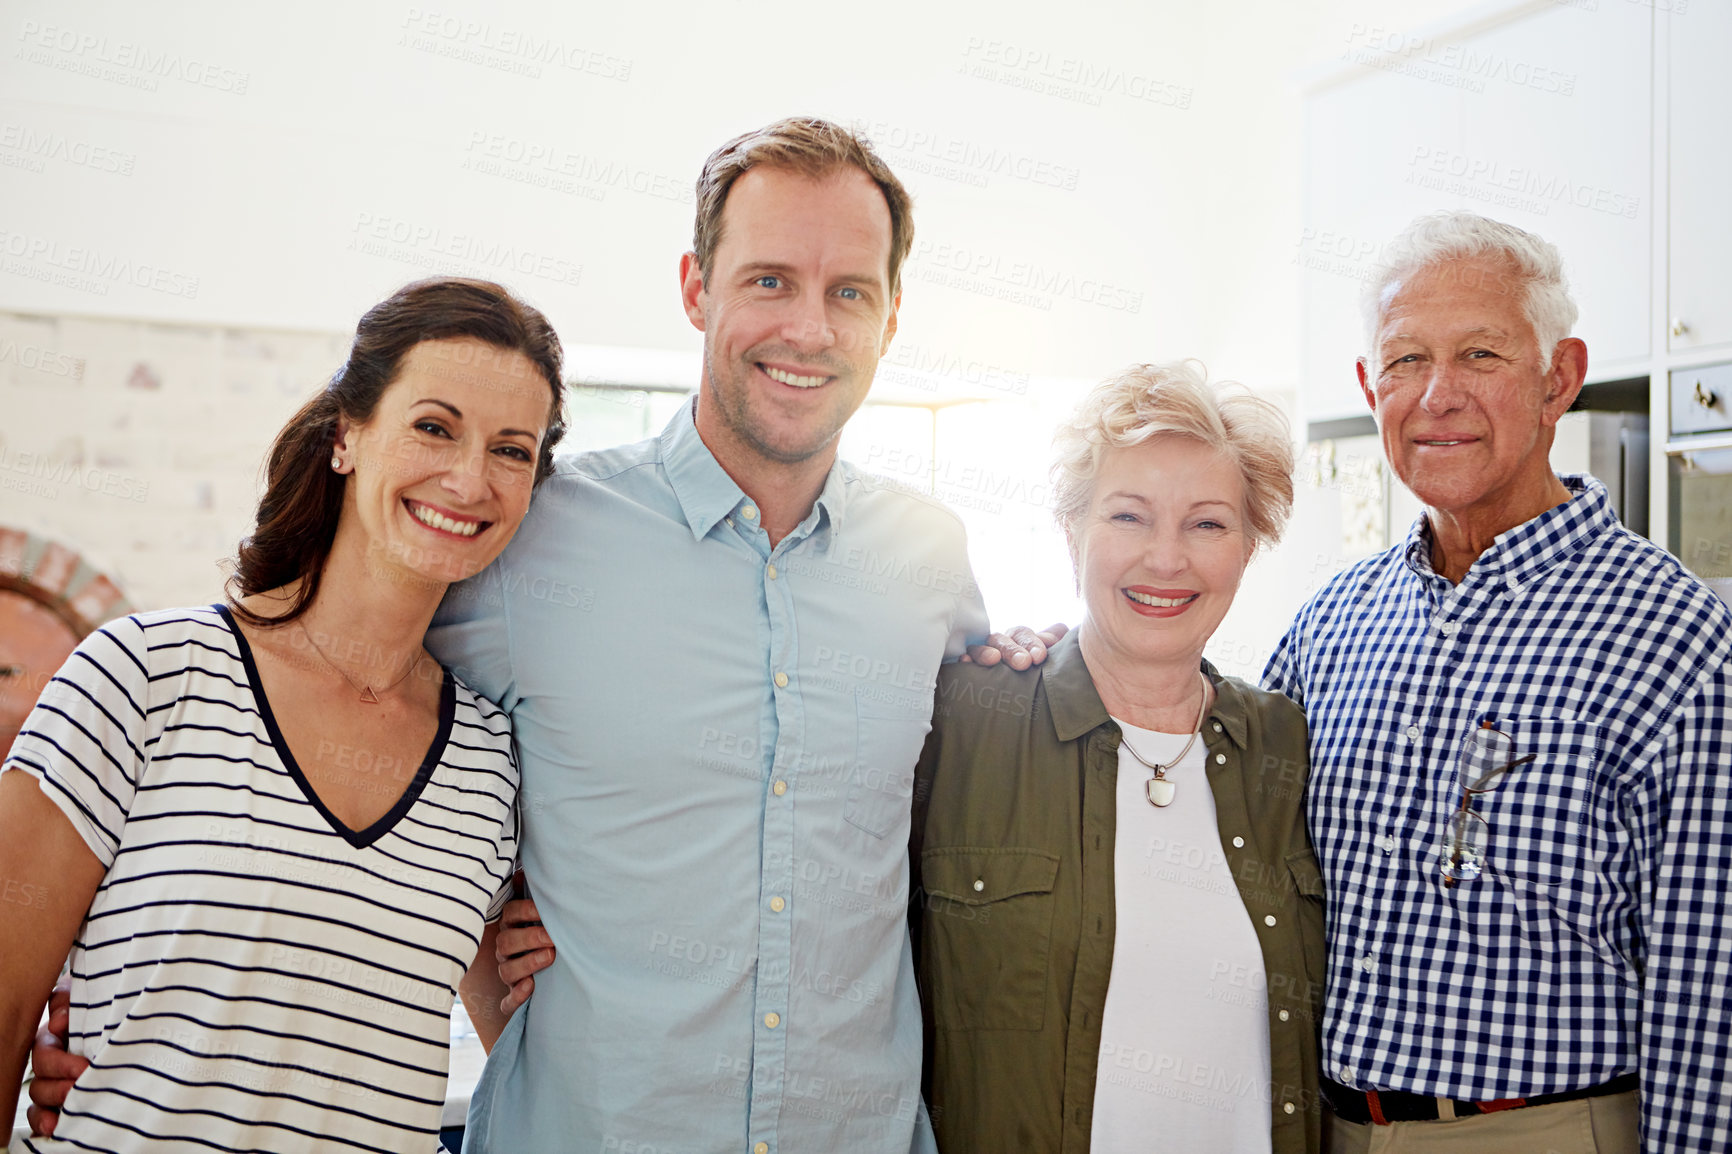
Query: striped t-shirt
{"points": [[252, 974]]}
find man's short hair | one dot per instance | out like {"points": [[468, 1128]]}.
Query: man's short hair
{"points": [[1177, 399], [810, 147], [1447, 236]]}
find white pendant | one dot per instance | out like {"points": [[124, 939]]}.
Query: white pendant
{"points": [[1160, 792]]}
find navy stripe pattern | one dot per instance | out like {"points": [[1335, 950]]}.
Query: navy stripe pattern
{"points": [[251, 976], [1598, 941]]}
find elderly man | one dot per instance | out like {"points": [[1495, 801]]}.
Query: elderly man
{"points": [[1520, 739]]}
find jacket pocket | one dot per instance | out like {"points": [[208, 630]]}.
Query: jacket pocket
{"points": [[986, 922], [886, 745]]}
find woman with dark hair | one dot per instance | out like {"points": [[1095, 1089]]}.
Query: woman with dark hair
{"points": [[270, 832]]}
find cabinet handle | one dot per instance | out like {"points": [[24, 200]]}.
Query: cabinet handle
{"points": [[1679, 328], [1705, 396]]}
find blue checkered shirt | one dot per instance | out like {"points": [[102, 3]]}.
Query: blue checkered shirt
{"points": [[1599, 939]]}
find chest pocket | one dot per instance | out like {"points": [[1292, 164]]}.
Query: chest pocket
{"points": [[1537, 812], [986, 924], [887, 743]]}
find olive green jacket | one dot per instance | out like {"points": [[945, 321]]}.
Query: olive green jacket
{"points": [[1012, 899]]}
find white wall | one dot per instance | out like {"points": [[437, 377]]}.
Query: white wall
{"points": [[227, 165]]}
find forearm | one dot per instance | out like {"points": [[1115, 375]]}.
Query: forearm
{"points": [[20, 1013], [482, 990]]}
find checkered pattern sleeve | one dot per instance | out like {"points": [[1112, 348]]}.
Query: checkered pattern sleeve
{"points": [[1686, 1047], [1281, 674]]}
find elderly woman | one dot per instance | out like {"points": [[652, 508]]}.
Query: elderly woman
{"points": [[1120, 938]]}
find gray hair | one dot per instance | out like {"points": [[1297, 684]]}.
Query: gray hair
{"points": [[1449, 236], [1145, 401]]}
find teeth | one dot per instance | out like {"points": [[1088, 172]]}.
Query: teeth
{"points": [[1159, 602], [1443, 442], [790, 379], [439, 520]]}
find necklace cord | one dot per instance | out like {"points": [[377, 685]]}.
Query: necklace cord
{"points": [[366, 691], [1202, 712]]}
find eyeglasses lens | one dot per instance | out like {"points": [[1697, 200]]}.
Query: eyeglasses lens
{"points": [[1483, 753]]}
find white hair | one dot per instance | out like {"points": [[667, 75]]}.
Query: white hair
{"points": [[1451, 236], [1146, 401]]}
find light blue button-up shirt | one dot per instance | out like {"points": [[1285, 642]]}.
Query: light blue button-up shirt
{"points": [[717, 742]]}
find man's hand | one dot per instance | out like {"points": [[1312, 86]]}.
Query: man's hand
{"points": [[1019, 649], [54, 1068], [523, 949]]}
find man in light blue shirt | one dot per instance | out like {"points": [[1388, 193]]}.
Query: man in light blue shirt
{"points": [[718, 648]]}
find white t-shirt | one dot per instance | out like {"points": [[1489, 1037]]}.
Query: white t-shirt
{"points": [[252, 975], [1184, 1059]]}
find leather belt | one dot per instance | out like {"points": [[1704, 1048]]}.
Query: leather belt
{"points": [[1381, 1107]]}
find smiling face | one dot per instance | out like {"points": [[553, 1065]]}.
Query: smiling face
{"points": [[441, 473], [1465, 412], [795, 313], [1159, 552]]}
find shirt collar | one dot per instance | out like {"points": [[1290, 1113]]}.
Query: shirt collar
{"points": [[1070, 690], [1076, 704], [707, 494], [1519, 555]]}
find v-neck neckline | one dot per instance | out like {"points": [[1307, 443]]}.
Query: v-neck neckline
{"points": [[359, 838]]}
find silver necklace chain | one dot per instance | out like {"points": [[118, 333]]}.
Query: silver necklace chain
{"points": [[1159, 769], [369, 695]]}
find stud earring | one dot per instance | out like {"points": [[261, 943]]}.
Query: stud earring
{"points": [[337, 463]]}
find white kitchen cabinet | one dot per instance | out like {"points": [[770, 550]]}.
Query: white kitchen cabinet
{"points": [[1699, 301], [1540, 116]]}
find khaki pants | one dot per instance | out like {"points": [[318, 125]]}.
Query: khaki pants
{"points": [[1585, 1126]]}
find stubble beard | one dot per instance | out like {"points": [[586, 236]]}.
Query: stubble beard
{"points": [[734, 406]]}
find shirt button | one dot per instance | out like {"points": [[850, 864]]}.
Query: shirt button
{"points": [[1346, 1073], [1286, 1107], [761, 1148], [781, 681], [1220, 759], [778, 905], [772, 1019], [1413, 733], [772, 572], [1238, 843], [779, 788], [748, 513], [1447, 629], [1217, 727], [1368, 964], [1268, 919], [1388, 844], [979, 884], [1283, 1015]]}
